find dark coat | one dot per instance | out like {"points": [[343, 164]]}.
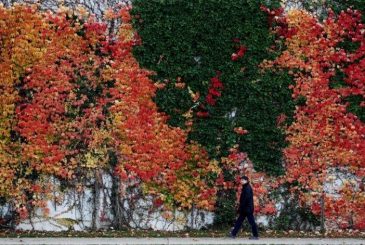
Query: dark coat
{"points": [[246, 200]]}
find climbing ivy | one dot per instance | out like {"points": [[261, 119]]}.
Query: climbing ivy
{"points": [[191, 44]]}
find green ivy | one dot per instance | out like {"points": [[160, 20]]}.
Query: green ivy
{"points": [[193, 40]]}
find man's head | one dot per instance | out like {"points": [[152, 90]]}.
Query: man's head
{"points": [[244, 180]]}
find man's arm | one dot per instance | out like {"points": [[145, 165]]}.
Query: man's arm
{"points": [[243, 200]]}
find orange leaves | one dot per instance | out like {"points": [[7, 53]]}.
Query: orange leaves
{"points": [[20, 47], [151, 152], [269, 209], [324, 136], [56, 100]]}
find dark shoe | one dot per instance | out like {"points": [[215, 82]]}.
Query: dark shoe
{"points": [[254, 238]]}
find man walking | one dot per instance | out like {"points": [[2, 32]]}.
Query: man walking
{"points": [[246, 209]]}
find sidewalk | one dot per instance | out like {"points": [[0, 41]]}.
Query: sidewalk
{"points": [[175, 241]]}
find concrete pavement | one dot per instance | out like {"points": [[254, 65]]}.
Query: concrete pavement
{"points": [[175, 241]]}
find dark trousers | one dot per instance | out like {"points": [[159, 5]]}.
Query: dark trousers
{"points": [[240, 220]]}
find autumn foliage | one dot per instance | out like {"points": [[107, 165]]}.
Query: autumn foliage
{"points": [[22, 44], [72, 97], [75, 104], [326, 155]]}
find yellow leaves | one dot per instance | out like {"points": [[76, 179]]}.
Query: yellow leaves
{"points": [[6, 178], [21, 47], [188, 114], [64, 10], [296, 17], [126, 149], [81, 11], [22, 43], [323, 136], [213, 167], [100, 137], [184, 193], [90, 161], [195, 96], [96, 158], [109, 14], [70, 128], [126, 33]]}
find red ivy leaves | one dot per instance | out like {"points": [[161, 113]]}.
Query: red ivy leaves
{"points": [[84, 96], [324, 135], [278, 21], [239, 54], [214, 90]]}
